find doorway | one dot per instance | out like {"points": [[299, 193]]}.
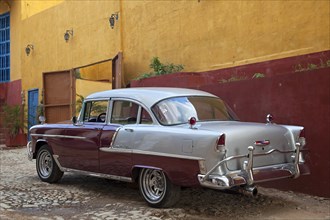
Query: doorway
{"points": [[33, 97]]}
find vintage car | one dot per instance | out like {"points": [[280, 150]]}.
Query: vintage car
{"points": [[165, 139]]}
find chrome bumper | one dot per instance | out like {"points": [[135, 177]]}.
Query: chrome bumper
{"points": [[29, 151], [249, 175]]}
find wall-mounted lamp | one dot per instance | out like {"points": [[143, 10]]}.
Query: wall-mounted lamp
{"points": [[28, 49], [113, 18], [67, 35]]}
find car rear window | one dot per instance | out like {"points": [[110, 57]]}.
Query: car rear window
{"points": [[178, 110]]}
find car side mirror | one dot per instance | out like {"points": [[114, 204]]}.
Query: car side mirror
{"points": [[74, 120]]}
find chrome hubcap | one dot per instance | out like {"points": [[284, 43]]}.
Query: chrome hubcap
{"points": [[154, 184], [45, 164]]}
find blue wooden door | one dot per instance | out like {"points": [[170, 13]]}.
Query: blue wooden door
{"points": [[33, 96]]}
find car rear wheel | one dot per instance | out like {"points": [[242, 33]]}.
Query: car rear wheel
{"points": [[47, 169], [157, 190]]}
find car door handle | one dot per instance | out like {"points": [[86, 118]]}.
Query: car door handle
{"points": [[129, 129]]}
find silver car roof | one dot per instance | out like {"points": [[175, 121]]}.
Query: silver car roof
{"points": [[148, 95]]}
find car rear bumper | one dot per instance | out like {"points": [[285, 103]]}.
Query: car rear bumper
{"points": [[249, 175], [260, 174]]}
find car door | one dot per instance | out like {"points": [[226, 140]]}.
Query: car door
{"points": [[117, 159], [81, 148]]}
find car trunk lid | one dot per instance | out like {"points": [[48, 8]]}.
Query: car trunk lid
{"points": [[269, 141]]}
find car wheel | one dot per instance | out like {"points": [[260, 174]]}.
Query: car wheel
{"points": [[157, 190], [47, 169]]}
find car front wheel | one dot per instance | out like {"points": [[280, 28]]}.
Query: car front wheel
{"points": [[47, 169], [157, 190]]}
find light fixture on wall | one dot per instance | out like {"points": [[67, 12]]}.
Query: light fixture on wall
{"points": [[113, 18], [67, 35], [28, 49]]}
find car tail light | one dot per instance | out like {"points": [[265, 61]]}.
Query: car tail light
{"points": [[192, 121], [220, 147], [302, 133], [302, 138], [301, 143]]}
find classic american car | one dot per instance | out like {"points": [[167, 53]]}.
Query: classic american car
{"points": [[165, 139]]}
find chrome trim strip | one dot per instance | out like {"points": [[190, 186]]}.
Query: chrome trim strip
{"points": [[101, 175], [29, 151], [262, 143], [114, 136], [40, 140], [58, 163], [272, 151], [151, 153], [166, 155], [57, 136], [147, 167], [249, 166], [88, 173], [115, 150], [296, 162]]}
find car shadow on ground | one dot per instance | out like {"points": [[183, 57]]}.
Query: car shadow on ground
{"points": [[193, 201]]}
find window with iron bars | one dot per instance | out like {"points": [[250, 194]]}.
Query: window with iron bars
{"points": [[5, 47]]}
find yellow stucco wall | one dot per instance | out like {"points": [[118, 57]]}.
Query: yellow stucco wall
{"points": [[85, 87], [100, 72], [201, 35], [32, 7], [205, 35], [92, 40], [4, 7], [20, 10]]}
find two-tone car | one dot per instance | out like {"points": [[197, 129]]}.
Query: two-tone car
{"points": [[165, 139]]}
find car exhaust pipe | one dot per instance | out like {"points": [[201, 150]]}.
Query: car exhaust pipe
{"points": [[249, 191]]}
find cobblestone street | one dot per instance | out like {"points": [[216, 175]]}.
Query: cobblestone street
{"points": [[24, 196]]}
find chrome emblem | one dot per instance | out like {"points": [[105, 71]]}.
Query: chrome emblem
{"points": [[262, 143]]}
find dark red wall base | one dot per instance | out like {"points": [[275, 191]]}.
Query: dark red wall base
{"points": [[298, 64], [296, 98], [10, 92]]}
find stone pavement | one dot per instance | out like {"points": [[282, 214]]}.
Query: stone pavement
{"points": [[22, 192], [24, 196]]}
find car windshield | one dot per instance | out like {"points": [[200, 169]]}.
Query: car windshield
{"points": [[178, 110]]}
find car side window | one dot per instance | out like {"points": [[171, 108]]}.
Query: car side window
{"points": [[95, 111], [124, 112], [145, 117]]}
